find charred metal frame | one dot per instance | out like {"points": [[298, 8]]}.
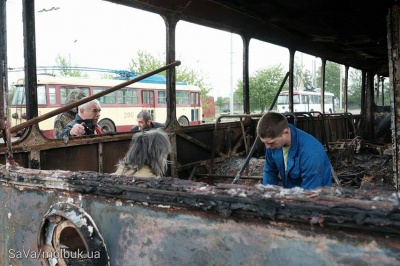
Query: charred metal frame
{"points": [[172, 126], [34, 143], [154, 217]]}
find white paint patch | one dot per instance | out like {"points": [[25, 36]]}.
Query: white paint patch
{"points": [[9, 215], [90, 229], [242, 194], [164, 206]]}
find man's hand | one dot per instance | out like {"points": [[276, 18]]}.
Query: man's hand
{"points": [[77, 129]]}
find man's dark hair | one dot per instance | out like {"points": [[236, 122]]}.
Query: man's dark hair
{"points": [[145, 115], [271, 125]]}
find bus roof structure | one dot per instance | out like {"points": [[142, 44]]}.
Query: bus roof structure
{"points": [[120, 74]]}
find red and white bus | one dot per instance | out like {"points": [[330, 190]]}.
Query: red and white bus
{"points": [[118, 109]]}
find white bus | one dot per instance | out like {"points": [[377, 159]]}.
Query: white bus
{"points": [[118, 109], [306, 101]]}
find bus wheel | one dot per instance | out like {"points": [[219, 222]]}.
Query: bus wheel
{"points": [[68, 235], [107, 126], [183, 121]]}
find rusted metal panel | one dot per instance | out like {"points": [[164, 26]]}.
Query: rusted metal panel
{"points": [[112, 153], [394, 64], [194, 145], [3, 65], [170, 221], [73, 158]]}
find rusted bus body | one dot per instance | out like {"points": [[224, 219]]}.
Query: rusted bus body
{"points": [[193, 146], [177, 222]]}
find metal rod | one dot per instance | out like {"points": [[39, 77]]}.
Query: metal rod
{"points": [[230, 176], [89, 98], [253, 148], [335, 177]]}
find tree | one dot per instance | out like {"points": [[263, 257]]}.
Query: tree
{"points": [[264, 85], [301, 77], [66, 68], [220, 102], [145, 62], [332, 78], [354, 89]]}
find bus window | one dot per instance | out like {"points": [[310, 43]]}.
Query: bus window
{"points": [[194, 115], [304, 99], [65, 90], [147, 97], [314, 99], [194, 96], [52, 94], [19, 96], [41, 94], [127, 96], [162, 97], [182, 97], [283, 99], [296, 98], [106, 99]]}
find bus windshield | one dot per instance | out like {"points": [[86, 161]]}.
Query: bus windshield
{"points": [[283, 99], [19, 95]]}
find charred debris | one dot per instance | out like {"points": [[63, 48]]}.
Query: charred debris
{"points": [[363, 198]]}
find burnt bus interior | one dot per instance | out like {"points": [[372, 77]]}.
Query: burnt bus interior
{"points": [[208, 158], [357, 42]]}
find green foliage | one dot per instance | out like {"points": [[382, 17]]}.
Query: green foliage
{"points": [[332, 78], [219, 102], [264, 85], [386, 93], [354, 89], [66, 70], [145, 62], [107, 76]]}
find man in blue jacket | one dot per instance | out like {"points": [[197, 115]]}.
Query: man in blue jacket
{"points": [[292, 156]]}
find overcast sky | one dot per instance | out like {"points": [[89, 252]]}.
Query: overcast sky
{"points": [[95, 33]]}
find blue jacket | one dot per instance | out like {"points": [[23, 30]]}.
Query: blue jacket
{"points": [[308, 166]]}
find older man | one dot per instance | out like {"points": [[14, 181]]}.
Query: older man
{"points": [[64, 118], [85, 122]]}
